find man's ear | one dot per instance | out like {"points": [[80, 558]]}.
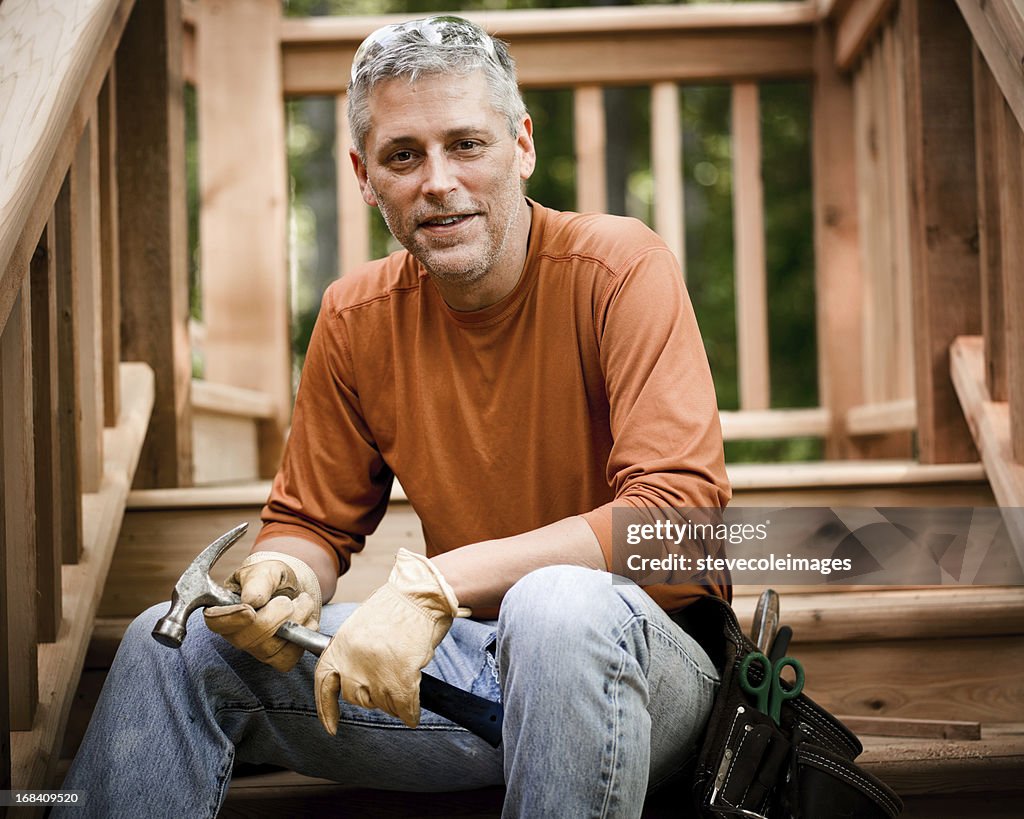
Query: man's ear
{"points": [[364, 183], [526, 149]]}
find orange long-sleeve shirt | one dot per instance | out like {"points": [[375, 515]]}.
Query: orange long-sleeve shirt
{"points": [[585, 389]]}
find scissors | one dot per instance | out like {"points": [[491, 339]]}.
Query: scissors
{"points": [[769, 693]]}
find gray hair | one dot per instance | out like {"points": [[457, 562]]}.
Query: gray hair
{"points": [[406, 52]]}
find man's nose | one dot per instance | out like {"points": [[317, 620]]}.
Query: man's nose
{"points": [[439, 177]]}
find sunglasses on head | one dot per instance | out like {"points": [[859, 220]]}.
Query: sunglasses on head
{"points": [[442, 31]]}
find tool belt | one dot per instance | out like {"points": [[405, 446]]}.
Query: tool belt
{"points": [[801, 768]]}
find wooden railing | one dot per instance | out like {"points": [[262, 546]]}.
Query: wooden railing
{"points": [[664, 48], [91, 273]]}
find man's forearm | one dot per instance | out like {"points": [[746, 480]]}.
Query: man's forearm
{"points": [[314, 556], [481, 573]]}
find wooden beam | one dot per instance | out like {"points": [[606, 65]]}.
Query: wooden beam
{"points": [[52, 73], [589, 137], [19, 509], [110, 259], [243, 252], [569, 47], [46, 424], [749, 243], [778, 423], [66, 289], [353, 212], [85, 210], [943, 216], [152, 237], [667, 169], [855, 28], [997, 27], [35, 753]]}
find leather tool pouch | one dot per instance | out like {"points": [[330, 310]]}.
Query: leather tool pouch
{"points": [[749, 766]]}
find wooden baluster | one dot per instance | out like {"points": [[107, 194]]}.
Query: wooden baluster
{"points": [[353, 212], [943, 217], [109, 254], [589, 135], [19, 510], [42, 275], [66, 288], [667, 168], [5, 662], [85, 209], [748, 239]]}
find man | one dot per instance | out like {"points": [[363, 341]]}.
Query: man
{"points": [[524, 373]]}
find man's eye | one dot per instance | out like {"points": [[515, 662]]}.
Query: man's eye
{"points": [[401, 156], [468, 145]]}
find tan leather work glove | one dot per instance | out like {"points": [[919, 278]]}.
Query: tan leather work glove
{"points": [[374, 660], [274, 587]]}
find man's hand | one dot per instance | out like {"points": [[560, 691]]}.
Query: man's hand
{"points": [[274, 587], [374, 660]]}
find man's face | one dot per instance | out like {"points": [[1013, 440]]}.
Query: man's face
{"points": [[445, 172]]}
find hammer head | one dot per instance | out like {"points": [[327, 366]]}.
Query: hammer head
{"points": [[196, 589]]}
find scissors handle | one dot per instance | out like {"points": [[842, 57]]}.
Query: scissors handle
{"points": [[769, 693]]}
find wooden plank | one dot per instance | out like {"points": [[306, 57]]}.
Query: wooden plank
{"points": [[943, 217], [921, 728], [353, 212], [838, 269], [226, 448], [5, 660], [589, 132], [766, 424], [243, 248], [850, 473], [110, 257], [667, 169], [19, 510], [749, 243], [856, 27], [989, 422], [52, 71], [876, 419], [35, 752], [1010, 150], [66, 288], [997, 27], [225, 400], [46, 423], [152, 237], [85, 210]]}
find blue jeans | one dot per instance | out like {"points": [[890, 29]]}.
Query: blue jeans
{"points": [[604, 698]]}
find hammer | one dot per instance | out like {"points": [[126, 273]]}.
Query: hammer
{"points": [[196, 589]]}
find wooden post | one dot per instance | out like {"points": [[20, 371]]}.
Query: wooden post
{"points": [[62, 227], [152, 236], [589, 136], [110, 256], [5, 663], [748, 239], [1010, 152], [243, 190], [42, 276], [19, 510], [943, 216], [838, 270]]}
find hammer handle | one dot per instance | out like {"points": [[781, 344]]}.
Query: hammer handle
{"points": [[481, 716]]}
